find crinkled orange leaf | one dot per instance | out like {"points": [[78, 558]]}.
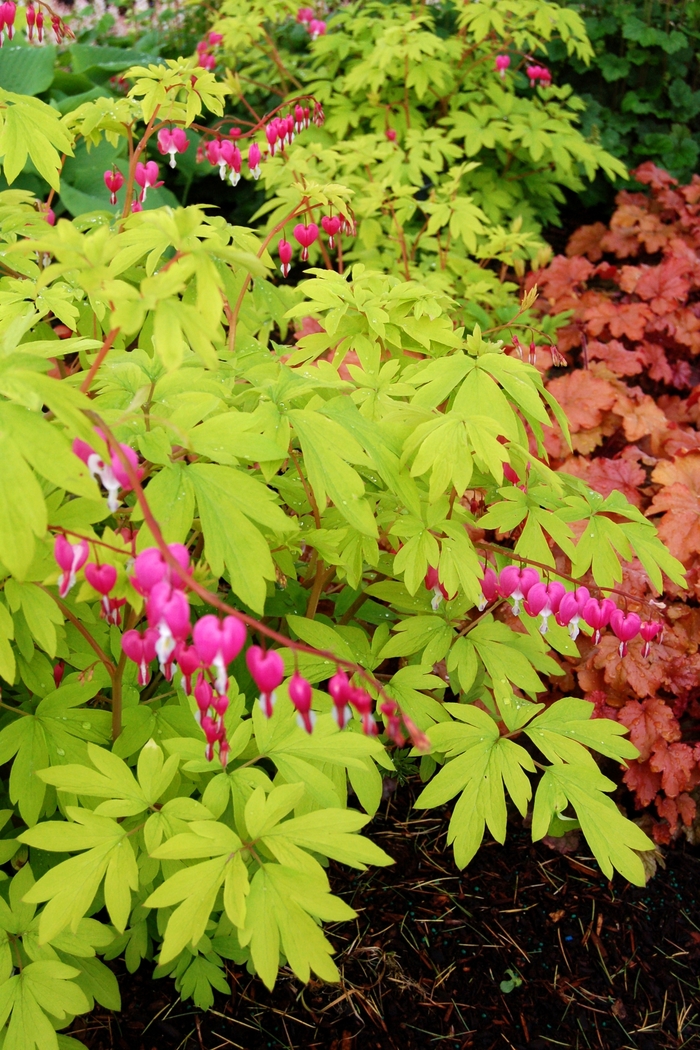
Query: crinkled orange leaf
{"points": [[650, 722], [675, 762]]}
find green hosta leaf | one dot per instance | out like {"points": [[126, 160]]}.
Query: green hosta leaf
{"points": [[613, 839]]}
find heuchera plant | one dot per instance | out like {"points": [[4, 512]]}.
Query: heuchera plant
{"points": [[629, 292], [222, 565]]}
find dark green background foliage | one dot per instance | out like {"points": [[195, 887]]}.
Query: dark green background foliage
{"points": [[642, 90]]}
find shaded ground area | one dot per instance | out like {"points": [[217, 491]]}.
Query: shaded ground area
{"points": [[527, 948]]}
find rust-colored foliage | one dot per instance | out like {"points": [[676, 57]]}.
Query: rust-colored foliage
{"points": [[632, 395]]}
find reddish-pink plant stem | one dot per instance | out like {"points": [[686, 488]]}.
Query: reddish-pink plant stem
{"points": [[101, 355], [418, 738], [97, 649], [133, 161]]}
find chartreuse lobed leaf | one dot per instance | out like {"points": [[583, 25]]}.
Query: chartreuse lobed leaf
{"points": [[481, 765], [114, 781], [70, 887], [615, 841], [271, 904], [46, 987]]}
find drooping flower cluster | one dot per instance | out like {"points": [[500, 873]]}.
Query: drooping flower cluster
{"points": [[539, 74], [35, 22], [306, 233], [205, 50], [215, 644], [71, 557], [568, 608], [315, 26]]}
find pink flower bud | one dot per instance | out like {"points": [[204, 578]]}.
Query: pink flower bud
{"points": [[510, 474], [649, 631], [149, 569], [340, 691], [571, 608], [119, 470], [390, 134], [141, 648], [514, 582], [363, 704], [285, 251], [230, 155], [110, 609], [305, 235], [625, 627], [300, 695], [544, 600], [272, 135], [266, 667], [215, 38], [187, 659], [502, 63], [317, 28], [70, 557], [213, 151], [299, 122], [59, 669], [169, 607], [146, 175], [114, 180], [305, 14], [331, 225], [254, 158], [203, 694], [432, 583], [101, 578], [597, 615], [9, 11], [489, 589], [207, 62], [172, 142], [218, 643], [211, 730]]}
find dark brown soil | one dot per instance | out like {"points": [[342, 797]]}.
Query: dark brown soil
{"points": [[601, 964]]}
